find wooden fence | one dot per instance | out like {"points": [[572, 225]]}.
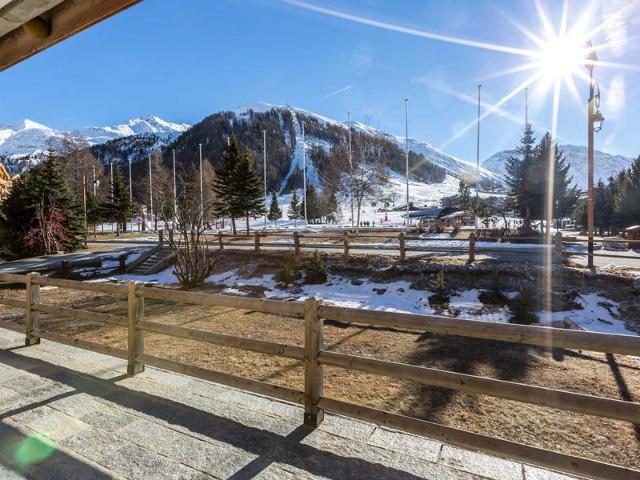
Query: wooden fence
{"points": [[314, 356], [347, 241]]}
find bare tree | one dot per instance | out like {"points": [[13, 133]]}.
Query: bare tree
{"points": [[77, 161], [188, 242], [49, 233]]}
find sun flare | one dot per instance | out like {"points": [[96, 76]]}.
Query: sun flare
{"points": [[562, 57]]}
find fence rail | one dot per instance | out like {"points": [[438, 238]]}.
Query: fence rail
{"points": [[315, 357], [348, 241]]}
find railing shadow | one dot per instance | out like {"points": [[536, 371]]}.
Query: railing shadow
{"points": [[269, 447], [510, 362]]}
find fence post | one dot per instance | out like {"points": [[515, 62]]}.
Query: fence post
{"points": [[257, 242], [558, 247], [122, 263], [313, 378], [403, 253], [346, 243], [220, 240], [31, 317], [472, 248], [296, 243], [136, 336]]}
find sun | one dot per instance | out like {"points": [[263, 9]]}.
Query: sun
{"points": [[561, 57]]}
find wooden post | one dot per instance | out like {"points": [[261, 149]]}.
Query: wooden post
{"points": [[122, 260], [346, 244], [313, 378], [160, 236], [257, 242], [220, 240], [170, 237], [296, 243], [472, 248], [403, 253], [558, 247], [136, 336], [32, 318]]}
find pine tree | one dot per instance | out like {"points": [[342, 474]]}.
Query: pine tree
{"points": [[332, 206], [223, 183], [294, 207], [94, 211], [248, 191], [564, 195], [274, 209], [313, 205], [118, 207], [518, 168], [43, 191]]}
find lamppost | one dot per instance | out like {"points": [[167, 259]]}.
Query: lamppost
{"points": [[594, 121]]}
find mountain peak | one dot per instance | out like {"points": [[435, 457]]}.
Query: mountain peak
{"points": [[25, 124]]}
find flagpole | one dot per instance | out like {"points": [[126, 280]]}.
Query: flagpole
{"points": [[264, 166], [477, 162], [406, 150], [304, 176]]}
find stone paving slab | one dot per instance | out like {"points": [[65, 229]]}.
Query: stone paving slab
{"points": [[66, 413]]}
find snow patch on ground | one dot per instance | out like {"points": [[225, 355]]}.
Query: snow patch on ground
{"points": [[598, 314]]}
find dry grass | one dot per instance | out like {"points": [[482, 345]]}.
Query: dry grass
{"points": [[586, 372]]}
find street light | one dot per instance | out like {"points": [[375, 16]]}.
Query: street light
{"points": [[594, 120]]}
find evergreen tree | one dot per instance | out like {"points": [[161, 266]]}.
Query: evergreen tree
{"points": [[294, 207], [313, 205], [94, 211], [518, 168], [118, 207], [43, 191], [274, 209], [565, 196], [332, 206], [223, 182], [464, 196], [248, 191]]}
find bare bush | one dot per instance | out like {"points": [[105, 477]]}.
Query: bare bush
{"points": [[188, 242]]}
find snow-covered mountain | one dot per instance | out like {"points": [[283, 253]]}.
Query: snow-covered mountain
{"points": [[455, 167], [605, 164], [24, 142]]}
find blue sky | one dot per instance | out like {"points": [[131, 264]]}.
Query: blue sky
{"points": [[185, 60]]}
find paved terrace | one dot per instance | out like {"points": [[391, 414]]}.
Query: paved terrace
{"points": [[69, 413]]}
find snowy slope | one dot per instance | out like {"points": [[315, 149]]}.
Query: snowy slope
{"points": [[455, 167], [605, 164]]}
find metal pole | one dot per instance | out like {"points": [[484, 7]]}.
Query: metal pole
{"points": [[590, 197], [350, 168], [150, 190], [304, 175], [201, 184], [111, 178], [130, 183], [264, 167], [95, 186], [526, 107], [406, 149], [477, 162], [84, 200], [175, 191]]}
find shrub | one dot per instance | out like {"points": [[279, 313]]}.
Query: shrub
{"points": [[315, 270], [441, 296], [524, 308], [289, 272], [494, 295]]}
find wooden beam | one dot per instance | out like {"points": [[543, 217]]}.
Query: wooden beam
{"points": [[475, 385], [504, 332], [582, 467], [66, 20]]}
